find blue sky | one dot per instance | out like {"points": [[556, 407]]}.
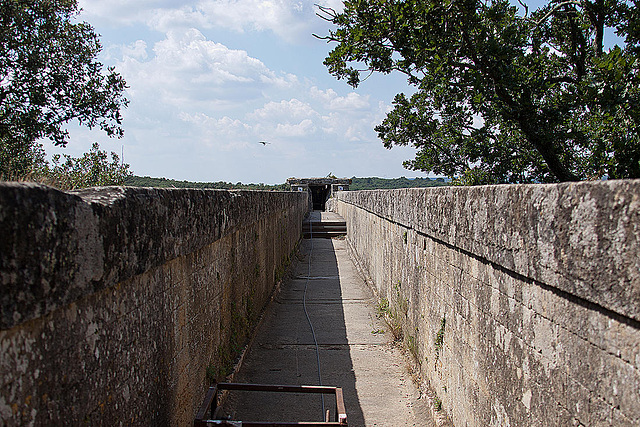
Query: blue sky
{"points": [[209, 79]]}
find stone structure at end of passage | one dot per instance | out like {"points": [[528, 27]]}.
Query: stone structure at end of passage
{"points": [[319, 189]]}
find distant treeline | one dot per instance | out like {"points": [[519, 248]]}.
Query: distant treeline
{"points": [[356, 184], [384, 183], [146, 181]]}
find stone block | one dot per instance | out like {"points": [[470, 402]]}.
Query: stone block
{"points": [[540, 284], [115, 301]]}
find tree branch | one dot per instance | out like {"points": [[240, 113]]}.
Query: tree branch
{"points": [[329, 39], [526, 8], [595, 13], [555, 8], [329, 13]]}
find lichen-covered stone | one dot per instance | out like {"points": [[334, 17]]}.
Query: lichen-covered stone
{"points": [[115, 301], [581, 238], [534, 291]]}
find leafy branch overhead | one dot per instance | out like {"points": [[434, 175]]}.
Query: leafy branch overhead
{"points": [[503, 94], [49, 76]]}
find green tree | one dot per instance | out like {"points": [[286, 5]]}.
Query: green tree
{"points": [[501, 96], [49, 76], [93, 169]]}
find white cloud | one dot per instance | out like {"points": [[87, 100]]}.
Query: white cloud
{"points": [[188, 71], [199, 108], [285, 18], [137, 50], [304, 128], [223, 133], [290, 20], [191, 54], [167, 19], [286, 119], [120, 12], [284, 110], [353, 100]]}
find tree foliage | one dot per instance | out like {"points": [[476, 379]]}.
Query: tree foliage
{"points": [[501, 96], [147, 181], [49, 76], [370, 183], [93, 169]]}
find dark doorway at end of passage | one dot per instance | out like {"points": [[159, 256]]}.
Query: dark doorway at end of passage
{"points": [[319, 196]]}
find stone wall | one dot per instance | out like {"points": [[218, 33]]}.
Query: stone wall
{"points": [[521, 304], [119, 305]]}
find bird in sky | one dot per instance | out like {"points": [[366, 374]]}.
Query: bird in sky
{"points": [[264, 142]]}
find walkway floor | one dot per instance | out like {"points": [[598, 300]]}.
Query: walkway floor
{"points": [[356, 351], [319, 216]]}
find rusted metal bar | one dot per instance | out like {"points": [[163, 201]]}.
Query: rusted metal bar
{"points": [[268, 423], [278, 388], [342, 412], [211, 397], [206, 403]]}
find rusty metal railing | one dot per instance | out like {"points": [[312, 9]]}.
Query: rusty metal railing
{"points": [[209, 405]]}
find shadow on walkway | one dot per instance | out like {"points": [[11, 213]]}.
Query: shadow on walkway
{"points": [[353, 353], [284, 351]]}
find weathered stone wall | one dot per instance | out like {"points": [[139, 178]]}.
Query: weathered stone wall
{"points": [[520, 303], [119, 304]]}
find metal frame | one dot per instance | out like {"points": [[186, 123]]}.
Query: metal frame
{"points": [[212, 396]]}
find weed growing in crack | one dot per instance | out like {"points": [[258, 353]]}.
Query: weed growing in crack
{"points": [[382, 309], [437, 403], [412, 345], [439, 341]]}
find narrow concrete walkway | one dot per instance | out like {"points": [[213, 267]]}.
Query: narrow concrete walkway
{"points": [[320, 216], [356, 351]]}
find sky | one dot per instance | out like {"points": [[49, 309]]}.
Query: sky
{"points": [[209, 79]]}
